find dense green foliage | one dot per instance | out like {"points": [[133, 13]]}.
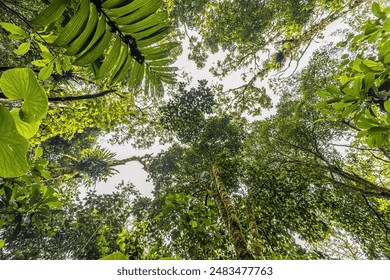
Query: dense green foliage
{"points": [[312, 181]]}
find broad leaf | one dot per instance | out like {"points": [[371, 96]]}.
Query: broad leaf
{"points": [[13, 147], [21, 83], [13, 29], [23, 48], [45, 72], [27, 130], [387, 106]]}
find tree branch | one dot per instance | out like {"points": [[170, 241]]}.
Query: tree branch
{"points": [[379, 218], [80, 97], [140, 159]]}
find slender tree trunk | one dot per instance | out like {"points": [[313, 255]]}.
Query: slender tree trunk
{"points": [[230, 216], [254, 230]]}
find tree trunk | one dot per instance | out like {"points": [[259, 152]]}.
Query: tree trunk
{"points": [[230, 216], [254, 230]]}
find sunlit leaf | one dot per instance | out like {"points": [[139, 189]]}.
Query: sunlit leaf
{"points": [[21, 83], [13, 29], [13, 147], [25, 129], [115, 256], [23, 48]]}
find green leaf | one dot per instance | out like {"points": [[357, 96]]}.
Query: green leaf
{"points": [[27, 130], [21, 83], [117, 256], [40, 62], [368, 81], [358, 38], [47, 55], [376, 10], [112, 58], [357, 86], [148, 22], [23, 48], [38, 153], [378, 130], [45, 72], [340, 105], [386, 25], [48, 192], [96, 50], [356, 65], [58, 68], [2, 242], [344, 80], [89, 31], [387, 59], [321, 104], [387, 106], [49, 199], [75, 25], [384, 49], [377, 140], [13, 147], [349, 110], [194, 224], [326, 112], [365, 123], [37, 222], [13, 29], [333, 90], [43, 48], [49, 38], [51, 13], [373, 65], [54, 205], [16, 37]]}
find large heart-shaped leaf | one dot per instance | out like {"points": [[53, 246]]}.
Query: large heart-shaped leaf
{"points": [[13, 147], [21, 83], [27, 130]]}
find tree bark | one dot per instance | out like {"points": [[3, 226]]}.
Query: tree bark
{"points": [[80, 97], [254, 230], [73, 98], [230, 216]]}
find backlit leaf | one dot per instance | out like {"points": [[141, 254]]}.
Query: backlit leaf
{"points": [[13, 147], [21, 83]]}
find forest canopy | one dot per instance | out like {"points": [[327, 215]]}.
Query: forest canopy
{"points": [[309, 181]]}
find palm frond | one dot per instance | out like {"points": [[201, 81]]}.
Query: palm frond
{"points": [[119, 39]]}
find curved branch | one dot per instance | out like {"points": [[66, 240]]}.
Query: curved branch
{"points": [[81, 97]]}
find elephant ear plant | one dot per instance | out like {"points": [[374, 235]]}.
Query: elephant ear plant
{"points": [[19, 124]]}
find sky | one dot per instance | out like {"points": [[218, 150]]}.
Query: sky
{"points": [[133, 171]]}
